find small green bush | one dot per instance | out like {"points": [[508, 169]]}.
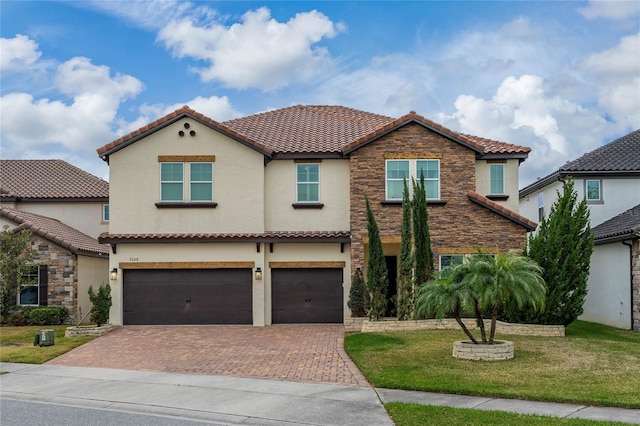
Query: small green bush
{"points": [[49, 315], [101, 304]]}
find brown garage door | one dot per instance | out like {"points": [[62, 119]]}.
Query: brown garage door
{"points": [[306, 296], [187, 296]]}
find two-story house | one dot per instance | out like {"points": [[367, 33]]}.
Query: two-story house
{"points": [[65, 208], [609, 179], [261, 220]]}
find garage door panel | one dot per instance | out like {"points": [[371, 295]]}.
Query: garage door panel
{"points": [[307, 296], [189, 296]]}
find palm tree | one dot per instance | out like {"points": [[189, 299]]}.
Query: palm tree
{"points": [[484, 282]]}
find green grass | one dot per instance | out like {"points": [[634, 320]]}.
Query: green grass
{"points": [[421, 415], [17, 344], [593, 364]]}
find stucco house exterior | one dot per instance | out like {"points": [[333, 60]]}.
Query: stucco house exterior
{"points": [[64, 207], [261, 220], [609, 179]]}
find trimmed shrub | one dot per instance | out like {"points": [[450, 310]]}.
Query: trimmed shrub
{"points": [[48, 315], [101, 304]]}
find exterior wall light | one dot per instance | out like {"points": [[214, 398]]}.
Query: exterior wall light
{"points": [[258, 274], [113, 274]]}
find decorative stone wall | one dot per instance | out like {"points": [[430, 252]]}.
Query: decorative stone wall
{"points": [[635, 268], [456, 227], [501, 350], [62, 280], [451, 324], [88, 330], [353, 325]]}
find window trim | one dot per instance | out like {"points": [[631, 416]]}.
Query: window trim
{"points": [[600, 199], [462, 256], [413, 174], [491, 168], [105, 217], [540, 206], [32, 268], [187, 183], [315, 203]]}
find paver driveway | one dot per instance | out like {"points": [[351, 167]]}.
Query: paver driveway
{"points": [[306, 353]]}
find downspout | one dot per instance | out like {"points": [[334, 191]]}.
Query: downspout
{"points": [[630, 245]]}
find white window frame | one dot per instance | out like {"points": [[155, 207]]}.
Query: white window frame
{"points": [[492, 167], [191, 182], [413, 174], [540, 206], [586, 191], [299, 182], [186, 182], [30, 276], [105, 212]]}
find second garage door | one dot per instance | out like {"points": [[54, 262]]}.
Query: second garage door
{"points": [[187, 296], [306, 296]]}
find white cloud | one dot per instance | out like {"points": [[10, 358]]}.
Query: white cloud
{"points": [[258, 52], [80, 126], [617, 73], [18, 53], [610, 9], [523, 113]]}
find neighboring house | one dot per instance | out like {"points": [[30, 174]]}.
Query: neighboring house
{"points": [[66, 263], [56, 189], [261, 220], [609, 179], [66, 209]]}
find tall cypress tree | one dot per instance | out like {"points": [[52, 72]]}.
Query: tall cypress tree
{"points": [[562, 246], [405, 281], [421, 235], [377, 274]]}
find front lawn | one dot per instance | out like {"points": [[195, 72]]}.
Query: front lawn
{"points": [[420, 415], [593, 364], [17, 344]]}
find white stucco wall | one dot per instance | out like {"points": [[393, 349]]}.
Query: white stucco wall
{"points": [[529, 203], [608, 298], [92, 271], [280, 194], [511, 184], [238, 181], [85, 217], [618, 195]]}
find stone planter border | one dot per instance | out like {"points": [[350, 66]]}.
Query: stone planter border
{"points": [[501, 350], [363, 325], [88, 330]]}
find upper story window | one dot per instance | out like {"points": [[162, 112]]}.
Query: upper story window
{"points": [[29, 291], [397, 171], [447, 260], [307, 183], [196, 186], [105, 212], [496, 179], [593, 190], [540, 206]]}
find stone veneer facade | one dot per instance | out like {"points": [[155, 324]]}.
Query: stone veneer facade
{"points": [[635, 267], [62, 280], [457, 227]]}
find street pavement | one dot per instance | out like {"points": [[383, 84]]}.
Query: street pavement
{"points": [[223, 400]]}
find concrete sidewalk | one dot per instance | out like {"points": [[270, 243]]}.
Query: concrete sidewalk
{"points": [[234, 400]]}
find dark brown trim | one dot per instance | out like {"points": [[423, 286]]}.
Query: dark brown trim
{"points": [[43, 284], [298, 265], [497, 197], [307, 160], [497, 161], [186, 158], [182, 205], [60, 200], [307, 205]]}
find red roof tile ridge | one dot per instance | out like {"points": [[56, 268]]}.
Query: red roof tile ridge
{"points": [[501, 208]]}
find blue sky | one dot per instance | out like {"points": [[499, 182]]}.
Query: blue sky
{"points": [[560, 77]]}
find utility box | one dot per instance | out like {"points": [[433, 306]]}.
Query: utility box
{"points": [[47, 337]]}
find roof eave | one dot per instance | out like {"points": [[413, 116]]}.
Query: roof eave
{"points": [[614, 238]]}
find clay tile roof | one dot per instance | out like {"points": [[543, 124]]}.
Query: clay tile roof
{"points": [[161, 122], [308, 128], [625, 225], [49, 179], [481, 145], [56, 232], [501, 210], [621, 155], [266, 237]]}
